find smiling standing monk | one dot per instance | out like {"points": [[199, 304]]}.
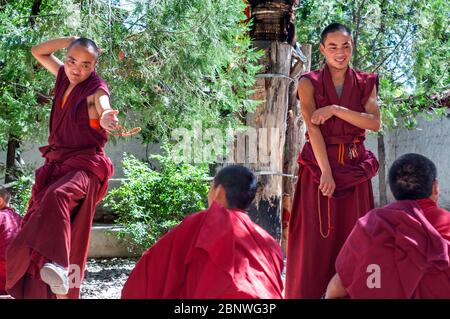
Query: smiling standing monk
{"points": [[55, 234], [334, 184]]}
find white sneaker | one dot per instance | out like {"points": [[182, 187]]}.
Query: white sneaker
{"points": [[57, 277]]}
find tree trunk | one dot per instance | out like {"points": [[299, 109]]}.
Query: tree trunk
{"points": [[295, 139], [13, 155], [35, 11], [269, 122], [11, 160], [382, 171], [380, 140], [295, 128], [273, 30]]}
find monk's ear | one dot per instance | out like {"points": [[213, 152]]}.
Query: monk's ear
{"points": [[2, 202], [435, 189], [220, 191], [220, 195], [322, 48]]}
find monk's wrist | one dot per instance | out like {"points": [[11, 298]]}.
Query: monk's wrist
{"points": [[69, 40], [326, 170], [105, 112], [335, 109]]}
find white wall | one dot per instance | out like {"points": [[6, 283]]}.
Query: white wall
{"points": [[32, 156], [431, 139]]}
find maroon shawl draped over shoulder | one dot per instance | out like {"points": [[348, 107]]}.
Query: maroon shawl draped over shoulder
{"points": [[216, 253], [76, 168], [403, 240], [318, 227]]}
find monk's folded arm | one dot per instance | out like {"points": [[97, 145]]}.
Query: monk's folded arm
{"points": [[308, 106], [43, 52], [369, 120]]}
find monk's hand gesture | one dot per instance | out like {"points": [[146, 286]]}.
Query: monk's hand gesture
{"points": [[327, 184], [109, 120], [321, 115]]}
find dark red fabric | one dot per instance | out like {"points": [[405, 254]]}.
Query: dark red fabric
{"points": [[216, 253], [438, 217], [10, 223], [310, 256], [2, 278], [67, 188], [412, 253], [9, 228]]}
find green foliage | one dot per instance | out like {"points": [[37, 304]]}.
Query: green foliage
{"points": [[431, 50], [184, 61], [21, 194], [25, 88], [169, 62], [150, 202]]}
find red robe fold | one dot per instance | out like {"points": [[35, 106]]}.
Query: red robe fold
{"points": [[318, 227], [67, 189], [216, 253], [9, 228], [409, 241]]}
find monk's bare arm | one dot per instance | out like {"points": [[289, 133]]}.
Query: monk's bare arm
{"points": [[44, 53], [308, 106], [335, 288], [108, 116], [366, 120]]}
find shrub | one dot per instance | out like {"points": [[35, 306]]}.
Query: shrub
{"points": [[150, 202], [21, 194]]}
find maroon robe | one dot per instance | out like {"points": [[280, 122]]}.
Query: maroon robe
{"points": [[215, 253], [9, 228], [409, 241], [316, 233], [68, 187]]}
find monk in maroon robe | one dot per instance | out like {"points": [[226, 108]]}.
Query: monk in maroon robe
{"points": [[401, 250], [55, 234], [215, 253], [9, 227], [334, 178]]}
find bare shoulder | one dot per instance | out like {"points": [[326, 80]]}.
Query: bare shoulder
{"points": [[100, 92], [305, 90], [305, 84]]}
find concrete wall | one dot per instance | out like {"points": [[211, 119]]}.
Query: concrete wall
{"points": [[105, 244], [431, 139], [32, 156]]}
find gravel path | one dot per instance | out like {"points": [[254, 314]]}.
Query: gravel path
{"points": [[104, 278]]}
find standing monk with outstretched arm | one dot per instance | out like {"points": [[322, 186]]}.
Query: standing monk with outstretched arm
{"points": [[55, 234], [334, 186]]}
